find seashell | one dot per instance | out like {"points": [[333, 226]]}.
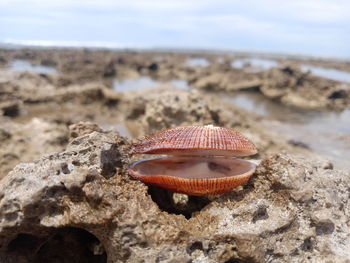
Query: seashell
{"points": [[201, 160], [196, 140]]}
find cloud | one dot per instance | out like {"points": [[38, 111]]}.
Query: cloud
{"points": [[145, 5], [271, 24], [320, 11]]}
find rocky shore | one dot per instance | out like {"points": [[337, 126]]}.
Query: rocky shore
{"points": [[81, 200], [64, 138]]}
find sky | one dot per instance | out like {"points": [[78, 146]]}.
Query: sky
{"points": [[314, 27]]}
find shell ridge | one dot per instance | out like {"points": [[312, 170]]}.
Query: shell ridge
{"points": [[190, 138], [195, 138], [173, 139]]}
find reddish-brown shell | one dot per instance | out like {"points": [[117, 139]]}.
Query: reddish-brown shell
{"points": [[193, 175], [196, 140], [200, 161]]}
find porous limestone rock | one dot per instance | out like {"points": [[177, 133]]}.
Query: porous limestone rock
{"points": [[80, 206], [155, 112]]}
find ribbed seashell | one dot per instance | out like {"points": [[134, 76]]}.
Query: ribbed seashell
{"points": [[194, 175], [200, 163], [196, 140]]}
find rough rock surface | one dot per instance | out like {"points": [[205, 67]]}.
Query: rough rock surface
{"points": [[79, 67], [23, 86], [293, 210], [228, 81], [143, 112], [155, 112], [78, 204], [25, 142], [303, 90], [17, 88]]}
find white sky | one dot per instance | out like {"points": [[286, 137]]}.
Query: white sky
{"points": [[312, 27]]}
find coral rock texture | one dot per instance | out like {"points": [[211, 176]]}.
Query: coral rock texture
{"points": [[80, 202]]}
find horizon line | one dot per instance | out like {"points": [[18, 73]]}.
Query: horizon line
{"points": [[18, 44]]}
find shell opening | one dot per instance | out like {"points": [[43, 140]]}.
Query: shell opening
{"points": [[193, 175]]}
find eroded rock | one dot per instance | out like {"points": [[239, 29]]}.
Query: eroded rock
{"points": [[155, 112], [293, 210], [301, 89], [228, 81]]}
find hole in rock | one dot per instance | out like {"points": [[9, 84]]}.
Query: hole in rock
{"points": [[110, 159], [63, 245], [338, 94], [11, 111], [175, 203], [260, 214], [24, 244], [240, 260], [307, 245], [324, 228], [153, 67], [136, 112], [197, 245], [71, 245], [64, 168]]}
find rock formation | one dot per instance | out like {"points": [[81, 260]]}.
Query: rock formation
{"points": [[79, 205]]}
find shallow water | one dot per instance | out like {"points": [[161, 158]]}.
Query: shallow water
{"points": [[23, 65], [254, 64], [329, 73], [258, 103], [325, 132], [147, 82], [180, 84], [197, 62]]}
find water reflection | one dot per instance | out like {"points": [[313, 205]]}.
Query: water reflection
{"points": [[254, 64], [197, 62], [258, 103], [179, 84], [329, 73], [147, 82], [325, 132], [22, 65]]}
